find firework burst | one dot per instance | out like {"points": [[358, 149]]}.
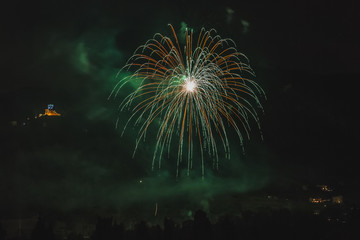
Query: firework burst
{"points": [[197, 93]]}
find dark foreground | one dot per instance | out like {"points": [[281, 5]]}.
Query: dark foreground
{"points": [[265, 224]]}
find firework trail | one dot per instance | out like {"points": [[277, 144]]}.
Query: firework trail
{"points": [[195, 93]]}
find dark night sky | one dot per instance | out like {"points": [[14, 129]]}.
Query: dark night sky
{"points": [[305, 55]]}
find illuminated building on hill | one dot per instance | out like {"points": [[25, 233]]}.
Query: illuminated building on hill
{"points": [[50, 111]]}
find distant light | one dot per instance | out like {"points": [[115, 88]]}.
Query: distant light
{"points": [[140, 181]]}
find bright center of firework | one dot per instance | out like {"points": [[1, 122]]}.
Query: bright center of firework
{"points": [[190, 85]]}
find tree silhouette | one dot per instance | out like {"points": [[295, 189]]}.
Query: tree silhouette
{"points": [[43, 230], [169, 228], [107, 229], [141, 230], [202, 226], [2, 233]]}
